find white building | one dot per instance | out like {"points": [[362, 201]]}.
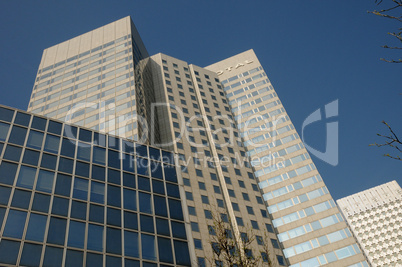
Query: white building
{"points": [[375, 217]]}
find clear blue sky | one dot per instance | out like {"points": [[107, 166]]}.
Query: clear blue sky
{"points": [[314, 52]]}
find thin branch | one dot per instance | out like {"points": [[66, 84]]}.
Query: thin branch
{"points": [[392, 141], [391, 61], [391, 47]]}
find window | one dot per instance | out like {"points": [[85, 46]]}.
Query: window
{"points": [[231, 193], [235, 206], [189, 195], [35, 139], [198, 245], [269, 228], [76, 234], [201, 185], [246, 197], [264, 214], [281, 260], [57, 231], [45, 181], [186, 181], [250, 210], [241, 184], [191, 211], [195, 227], [239, 221], [211, 230], [260, 240], [224, 217], [36, 227], [208, 214], [30, 256], [205, 199], [26, 176], [220, 203], [275, 243], [213, 177], [217, 190], [199, 173], [255, 188]]}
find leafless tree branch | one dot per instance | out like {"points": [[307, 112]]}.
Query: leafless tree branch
{"points": [[386, 13], [391, 140]]}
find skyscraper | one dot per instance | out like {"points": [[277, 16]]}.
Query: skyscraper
{"points": [[70, 196], [89, 80], [308, 222], [375, 217], [238, 151]]}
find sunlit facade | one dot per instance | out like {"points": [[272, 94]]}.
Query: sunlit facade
{"points": [[375, 217], [239, 157], [306, 218]]}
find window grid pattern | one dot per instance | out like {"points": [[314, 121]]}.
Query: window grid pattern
{"points": [[96, 197]]}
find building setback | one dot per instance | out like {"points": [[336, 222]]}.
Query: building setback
{"points": [[239, 156], [375, 217]]}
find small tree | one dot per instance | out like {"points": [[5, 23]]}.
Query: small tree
{"points": [[229, 252]]}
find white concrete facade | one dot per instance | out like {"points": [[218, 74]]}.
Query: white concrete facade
{"points": [[375, 218]]}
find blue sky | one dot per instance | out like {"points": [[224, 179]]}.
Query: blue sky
{"points": [[314, 52]]}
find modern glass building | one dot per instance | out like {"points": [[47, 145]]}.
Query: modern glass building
{"points": [[239, 158], [70, 196], [375, 218]]}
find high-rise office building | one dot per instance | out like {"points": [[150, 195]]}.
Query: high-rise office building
{"points": [[241, 159], [197, 124], [70, 196], [93, 81], [304, 214], [89, 81], [375, 217]]}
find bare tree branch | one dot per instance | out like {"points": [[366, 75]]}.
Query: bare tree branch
{"points": [[386, 13], [391, 140]]}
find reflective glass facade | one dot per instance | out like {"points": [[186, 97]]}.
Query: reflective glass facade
{"points": [[70, 196]]}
